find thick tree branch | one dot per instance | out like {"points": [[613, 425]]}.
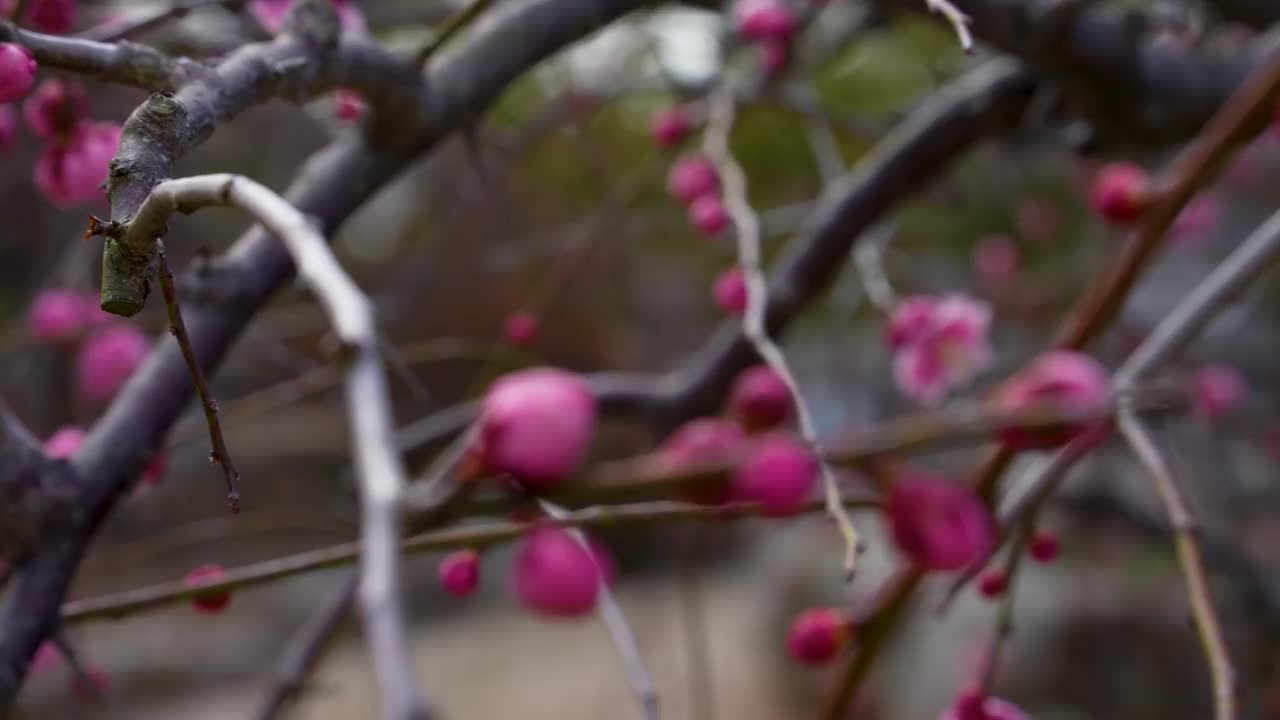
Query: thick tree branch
{"points": [[124, 63]]}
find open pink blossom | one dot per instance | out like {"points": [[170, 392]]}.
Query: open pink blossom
{"points": [[760, 398], [708, 216], [765, 20], [106, 359], [520, 328], [17, 72], [536, 425], [52, 16], [1064, 380], [670, 126], [271, 13], [554, 575], [692, 177], [940, 525], [64, 442], [730, 291], [971, 704], [214, 601], [1219, 389], [941, 344], [1120, 193], [778, 472], [996, 259], [459, 572], [73, 173], [818, 635], [56, 109], [60, 315], [704, 441]]}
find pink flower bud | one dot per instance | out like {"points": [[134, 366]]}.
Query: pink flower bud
{"points": [[730, 291], [818, 635], [53, 16], [17, 72], [348, 105], [73, 173], [765, 20], [1043, 547], [705, 441], [996, 259], [941, 344], [1120, 193], [692, 177], [939, 524], [1069, 381], [774, 57], [536, 425], [993, 583], [459, 572], [779, 473], [106, 359], [64, 442], [46, 658], [520, 328], [212, 602], [8, 127], [971, 704], [760, 398], [670, 126], [554, 575], [708, 216], [60, 315], [1219, 389], [55, 109]]}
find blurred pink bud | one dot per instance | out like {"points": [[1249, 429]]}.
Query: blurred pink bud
{"points": [[1044, 546], [348, 105], [459, 572], [941, 344], [730, 291], [212, 602], [536, 424], [17, 72], [940, 525], [1195, 221], [46, 658], [1120, 193], [774, 56], [1219, 389], [705, 441], [52, 16], [760, 398], [692, 177], [765, 20], [61, 315], [818, 635], [106, 359], [996, 259], [73, 173], [779, 473], [271, 13], [554, 575], [8, 127], [708, 216], [520, 328], [670, 126], [1066, 380], [64, 442], [1038, 220], [971, 704], [993, 583], [55, 109]]}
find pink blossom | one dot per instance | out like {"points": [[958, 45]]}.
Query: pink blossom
{"points": [[941, 344], [17, 72], [996, 258], [459, 572], [993, 583], [730, 291], [520, 328], [779, 473], [348, 105], [1195, 221], [1044, 546], [554, 575], [1037, 220], [1120, 193], [46, 658], [818, 635], [765, 20], [670, 126], [705, 441], [271, 13], [1069, 381], [774, 56], [940, 525], [60, 315], [972, 705], [106, 359], [536, 424], [212, 602], [52, 16], [708, 216], [56, 109], [64, 442], [760, 398], [1219, 389], [73, 173], [8, 127], [692, 177]]}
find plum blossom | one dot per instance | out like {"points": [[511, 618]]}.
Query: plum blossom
{"points": [[939, 343], [105, 361], [939, 524], [536, 424], [1063, 379], [554, 575], [72, 172], [17, 72], [818, 635]]}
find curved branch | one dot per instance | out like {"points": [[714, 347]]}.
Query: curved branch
{"points": [[124, 63]]}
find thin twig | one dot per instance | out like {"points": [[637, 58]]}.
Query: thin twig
{"points": [[959, 21], [747, 226], [219, 453], [119, 29], [869, 258], [624, 640], [455, 24], [1189, 558]]}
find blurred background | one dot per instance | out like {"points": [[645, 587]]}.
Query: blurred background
{"points": [[556, 208]]}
